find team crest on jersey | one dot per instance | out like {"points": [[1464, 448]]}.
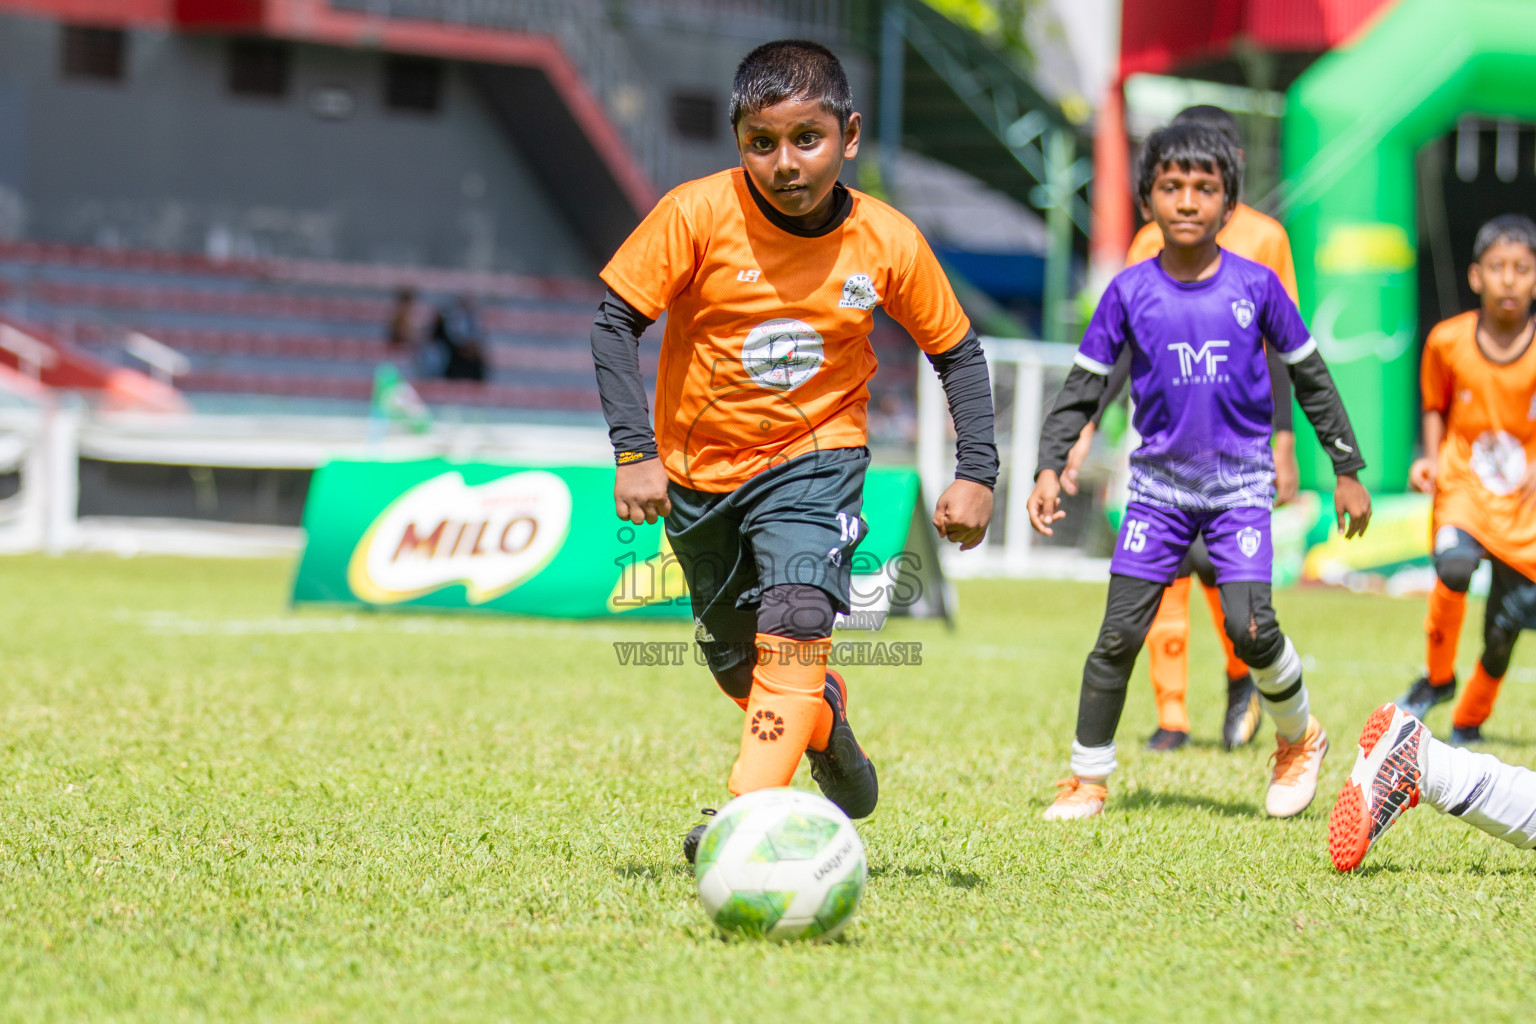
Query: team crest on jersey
{"points": [[859, 293], [1498, 459], [1243, 310], [781, 355], [1248, 540]]}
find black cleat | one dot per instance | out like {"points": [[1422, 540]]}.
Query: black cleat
{"points": [[695, 836], [845, 775], [1423, 695], [1466, 735], [1243, 713], [1167, 739]]}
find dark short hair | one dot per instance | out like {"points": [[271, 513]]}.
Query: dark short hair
{"points": [[1509, 227], [790, 69], [1211, 117], [1189, 146]]}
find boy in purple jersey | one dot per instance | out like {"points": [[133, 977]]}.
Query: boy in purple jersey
{"points": [[1196, 319]]}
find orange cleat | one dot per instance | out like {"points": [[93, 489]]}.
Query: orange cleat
{"points": [[1294, 782], [1382, 785], [1077, 799]]}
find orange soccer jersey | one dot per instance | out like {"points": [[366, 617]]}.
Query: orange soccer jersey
{"points": [[1249, 233], [1490, 439], [766, 354]]}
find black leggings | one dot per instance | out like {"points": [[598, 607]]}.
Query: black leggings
{"points": [[1501, 628], [797, 611], [1454, 565], [1128, 613]]}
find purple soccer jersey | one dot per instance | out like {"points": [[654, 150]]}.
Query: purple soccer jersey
{"points": [[1199, 379]]}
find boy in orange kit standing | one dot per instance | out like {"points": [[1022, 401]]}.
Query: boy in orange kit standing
{"points": [[1479, 384]]}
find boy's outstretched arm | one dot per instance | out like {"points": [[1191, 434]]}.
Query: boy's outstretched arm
{"points": [[1319, 400], [964, 511], [1075, 406], [640, 482]]}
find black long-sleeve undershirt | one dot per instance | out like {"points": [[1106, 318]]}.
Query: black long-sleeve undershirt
{"points": [[1324, 408], [616, 331], [1081, 398], [616, 334], [968, 390]]}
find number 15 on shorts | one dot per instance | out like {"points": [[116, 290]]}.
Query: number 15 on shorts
{"points": [[1134, 536]]}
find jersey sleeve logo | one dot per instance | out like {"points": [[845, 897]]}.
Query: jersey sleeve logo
{"points": [[1243, 309], [780, 355], [859, 293]]}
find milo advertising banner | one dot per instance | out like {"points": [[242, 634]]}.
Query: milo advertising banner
{"points": [[481, 537]]}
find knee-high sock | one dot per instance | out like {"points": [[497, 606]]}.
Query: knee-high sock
{"points": [[1483, 791], [822, 734], [1168, 652], [1283, 693], [786, 705], [1235, 667], [1442, 632], [1477, 699]]}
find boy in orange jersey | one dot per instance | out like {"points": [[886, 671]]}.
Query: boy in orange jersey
{"points": [[1262, 239], [769, 274], [1479, 384]]}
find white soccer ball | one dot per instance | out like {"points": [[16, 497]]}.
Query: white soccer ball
{"points": [[781, 863]]}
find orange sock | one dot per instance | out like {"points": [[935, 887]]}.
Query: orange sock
{"points": [[783, 712], [1442, 630], [1236, 668], [1477, 699], [1168, 651]]}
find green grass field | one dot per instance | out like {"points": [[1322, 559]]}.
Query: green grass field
{"points": [[214, 809]]}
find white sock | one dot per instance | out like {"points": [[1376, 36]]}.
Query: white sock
{"points": [[1093, 764], [1292, 713], [1481, 790]]}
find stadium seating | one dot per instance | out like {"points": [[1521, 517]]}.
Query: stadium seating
{"points": [[306, 329], [302, 329]]}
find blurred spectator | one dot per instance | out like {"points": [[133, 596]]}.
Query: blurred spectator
{"points": [[456, 335], [405, 322]]}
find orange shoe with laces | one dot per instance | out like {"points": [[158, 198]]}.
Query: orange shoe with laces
{"points": [[1294, 782], [1077, 799]]}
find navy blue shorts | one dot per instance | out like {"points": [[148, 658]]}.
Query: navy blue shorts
{"points": [[796, 523]]}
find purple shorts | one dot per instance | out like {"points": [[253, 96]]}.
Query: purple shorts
{"points": [[1154, 539]]}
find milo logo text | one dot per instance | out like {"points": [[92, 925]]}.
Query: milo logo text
{"points": [[488, 537]]}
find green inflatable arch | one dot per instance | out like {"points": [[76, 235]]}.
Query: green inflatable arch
{"points": [[1353, 125]]}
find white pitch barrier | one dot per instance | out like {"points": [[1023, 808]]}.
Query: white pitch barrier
{"points": [[43, 446], [1025, 378]]}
